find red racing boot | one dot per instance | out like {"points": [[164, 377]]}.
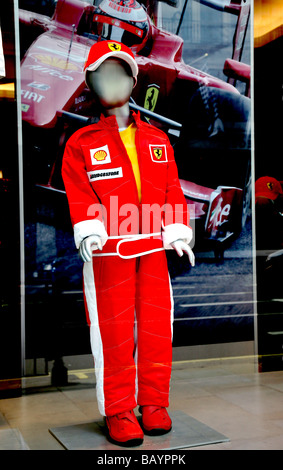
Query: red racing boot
{"points": [[155, 420], [124, 429]]}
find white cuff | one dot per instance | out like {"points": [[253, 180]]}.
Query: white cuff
{"points": [[89, 227], [175, 232]]}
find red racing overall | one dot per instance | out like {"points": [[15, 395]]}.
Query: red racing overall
{"points": [[127, 291]]}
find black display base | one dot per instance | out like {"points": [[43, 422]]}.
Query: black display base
{"points": [[186, 432]]}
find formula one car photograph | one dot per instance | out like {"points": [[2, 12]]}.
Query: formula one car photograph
{"points": [[206, 116], [207, 119]]}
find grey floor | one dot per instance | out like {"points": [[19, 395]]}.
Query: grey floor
{"points": [[228, 395]]}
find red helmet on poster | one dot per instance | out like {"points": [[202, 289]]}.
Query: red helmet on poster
{"points": [[124, 21]]}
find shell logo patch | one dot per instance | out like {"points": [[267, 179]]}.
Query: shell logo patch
{"points": [[113, 46], [158, 153], [100, 155]]}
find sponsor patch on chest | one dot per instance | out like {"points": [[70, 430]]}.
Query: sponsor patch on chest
{"points": [[112, 173], [100, 155], [158, 153]]}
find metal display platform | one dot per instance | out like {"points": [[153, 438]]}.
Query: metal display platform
{"points": [[186, 432]]}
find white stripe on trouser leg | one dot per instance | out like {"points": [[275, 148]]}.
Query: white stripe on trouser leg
{"points": [[172, 305], [95, 336], [136, 355], [172, 314]]}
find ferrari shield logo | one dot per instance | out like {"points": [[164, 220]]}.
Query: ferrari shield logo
{"points": [[158, 153], [113, 46], [151, 97]]}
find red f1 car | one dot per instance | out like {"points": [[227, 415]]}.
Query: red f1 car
{"points": [[207, 119]]}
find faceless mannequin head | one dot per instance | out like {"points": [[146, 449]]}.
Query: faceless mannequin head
{"points": [[111, 83], [111, 73]]}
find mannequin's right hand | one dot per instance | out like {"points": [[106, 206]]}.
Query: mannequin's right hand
{"points": [[93, 242]]}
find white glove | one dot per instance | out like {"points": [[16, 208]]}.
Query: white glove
{"points": [[93, 242], [182, 247]]}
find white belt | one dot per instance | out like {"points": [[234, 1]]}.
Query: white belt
{"points": [[141, 248]]}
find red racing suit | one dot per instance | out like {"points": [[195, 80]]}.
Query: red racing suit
{"points": [[127, 290]]}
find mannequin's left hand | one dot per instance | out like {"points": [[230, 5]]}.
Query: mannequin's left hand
{"points": [[181, 247]]}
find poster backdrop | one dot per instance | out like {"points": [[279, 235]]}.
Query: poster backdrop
{"points": [[194, 83], [268, 106]]}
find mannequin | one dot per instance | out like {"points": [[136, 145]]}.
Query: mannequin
{"points": [[127, 289]]}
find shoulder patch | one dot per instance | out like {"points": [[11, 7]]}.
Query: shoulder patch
{"points": [[158, 153]]}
